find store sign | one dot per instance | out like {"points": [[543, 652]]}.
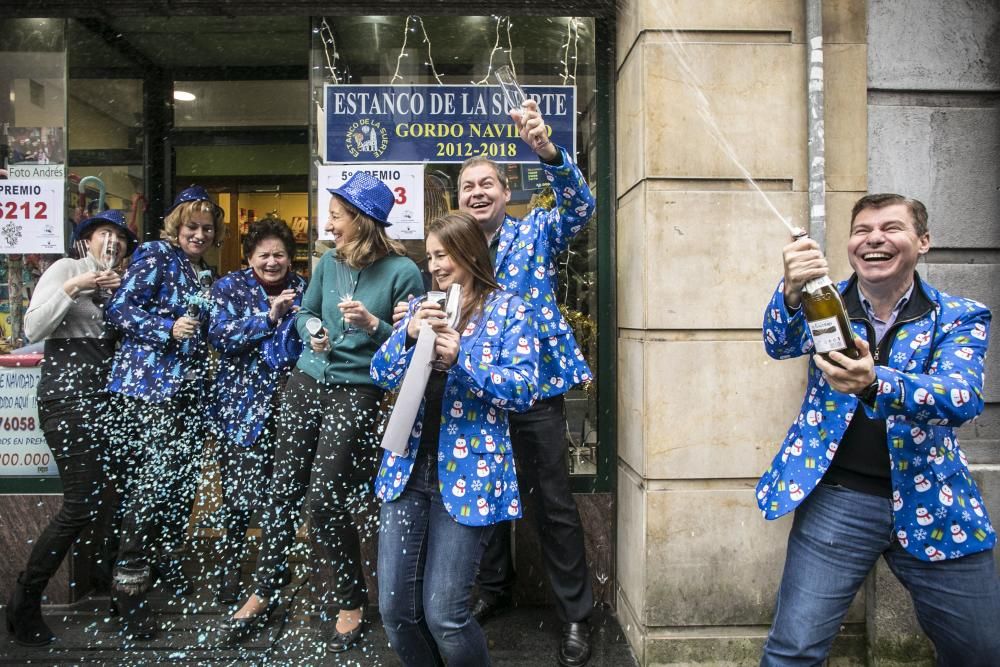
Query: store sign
{"points": [[23, 452], [430, 123], [406, 182], [31, 212]]}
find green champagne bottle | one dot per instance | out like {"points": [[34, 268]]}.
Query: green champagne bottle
{"points": [[827, 318], [826, 315]]}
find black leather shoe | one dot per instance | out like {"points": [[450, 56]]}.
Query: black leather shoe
{"points": [[344, 641], [483, 610], [237, 630], [229, 586], [574, 649], [128, 595], [24, 615]]}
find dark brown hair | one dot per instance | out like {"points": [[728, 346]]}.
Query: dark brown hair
{"points": [[477, 160], [463, 240], [266, 228], [876, 201]]}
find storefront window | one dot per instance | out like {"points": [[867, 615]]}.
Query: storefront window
{"points": [[552, 57], [32, 226], [199, 104]]}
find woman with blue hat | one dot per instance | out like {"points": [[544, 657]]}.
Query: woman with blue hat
{"points": [[66, 311], [327, 445], [158, 385]]}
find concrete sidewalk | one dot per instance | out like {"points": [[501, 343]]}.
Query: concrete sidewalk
{"points": [[88, 635]]}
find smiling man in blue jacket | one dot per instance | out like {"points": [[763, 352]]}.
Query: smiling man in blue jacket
{"points": [[871, 465]]}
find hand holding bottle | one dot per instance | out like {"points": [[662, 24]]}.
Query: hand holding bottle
{"points": [[846, 374], [808, 284], [184, 327], [804, 261]]}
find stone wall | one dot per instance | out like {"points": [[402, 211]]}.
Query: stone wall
{"points": [[934, 134], [701, 408]]}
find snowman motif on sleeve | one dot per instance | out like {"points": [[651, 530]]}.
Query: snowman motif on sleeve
{"points": [[482, 506], [924, 517], [957, 534], [461, 448]]}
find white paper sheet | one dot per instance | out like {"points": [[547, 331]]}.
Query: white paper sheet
{"points": [[411, 392]]}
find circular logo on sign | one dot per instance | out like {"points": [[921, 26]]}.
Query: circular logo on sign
{"points": [[11, 232], [366, 137]]}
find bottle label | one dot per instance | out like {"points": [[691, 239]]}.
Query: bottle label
{"points": [[827, 335]]}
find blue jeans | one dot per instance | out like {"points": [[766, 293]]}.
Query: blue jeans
{"points": [[837, 537], [427, 564]]}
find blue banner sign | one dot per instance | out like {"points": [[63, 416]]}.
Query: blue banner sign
{"points": [[430, 123]]}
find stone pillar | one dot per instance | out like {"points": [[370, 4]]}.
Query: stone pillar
{"points": [[701, 407], [934, 134]]}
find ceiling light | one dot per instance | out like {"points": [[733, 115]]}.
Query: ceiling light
{"points": [[183, 96]]}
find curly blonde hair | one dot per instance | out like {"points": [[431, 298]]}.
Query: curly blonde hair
{"points": [[182, 215]]}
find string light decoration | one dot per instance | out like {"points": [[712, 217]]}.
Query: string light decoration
{"points": [[402, 50], [500, 21], [572, 40], [330, 52]]}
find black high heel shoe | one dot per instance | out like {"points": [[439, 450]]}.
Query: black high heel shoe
{"points": [[237, 630], [229, 586], [344, 641]]}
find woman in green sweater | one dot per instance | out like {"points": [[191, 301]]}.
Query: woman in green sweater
{"points": [[327, 444]]}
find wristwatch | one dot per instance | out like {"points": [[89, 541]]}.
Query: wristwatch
{"points": [[869, 393]]}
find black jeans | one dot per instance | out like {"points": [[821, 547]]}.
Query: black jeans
{"points": [[78, 450], [157, 463], [326, 447], [246, 475], [539, 440]]}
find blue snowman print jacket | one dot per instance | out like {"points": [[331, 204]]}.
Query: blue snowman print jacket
{"points": [[526, 266], [255, 354], [931, 385], [155, 291], [496, 371]]}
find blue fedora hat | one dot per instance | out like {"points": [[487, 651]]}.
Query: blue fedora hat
{"points": [[369, 195], [193, 193], [109, 217]]}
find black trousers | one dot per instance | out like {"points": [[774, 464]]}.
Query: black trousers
{"points": [[246, 477], [539, 440], [326, 448], [78, 451], [157, 462]]}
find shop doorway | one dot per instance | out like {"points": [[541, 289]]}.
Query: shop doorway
{"points": [[228, 111]]}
